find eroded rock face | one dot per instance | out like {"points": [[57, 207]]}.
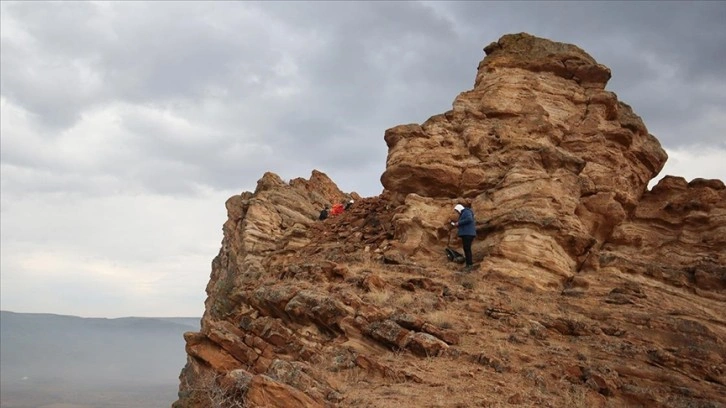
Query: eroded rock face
{"points": [[589, 290], [273, 219], [676, 235], [549, 159]]}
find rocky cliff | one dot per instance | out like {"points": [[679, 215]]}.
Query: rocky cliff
{"points": [[589, 289]]}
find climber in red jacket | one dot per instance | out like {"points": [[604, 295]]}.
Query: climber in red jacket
{"points": [[337, 210]]}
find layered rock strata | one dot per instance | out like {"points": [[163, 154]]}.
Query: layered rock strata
{"points": [[549, 158], [589, 290]]}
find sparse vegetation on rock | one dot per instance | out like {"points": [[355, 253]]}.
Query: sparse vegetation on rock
{"points": [[589, 290]]}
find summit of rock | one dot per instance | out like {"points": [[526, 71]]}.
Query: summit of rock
{"points": [[535, 54], [589, 289]]}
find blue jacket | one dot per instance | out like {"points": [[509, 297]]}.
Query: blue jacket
{"points": [[467, 224]]}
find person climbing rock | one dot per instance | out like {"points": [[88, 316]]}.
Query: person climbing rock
{"points": [[466, 225], [348, 204], [337, 209], [324, 213]]}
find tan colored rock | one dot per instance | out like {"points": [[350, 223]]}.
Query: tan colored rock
{"points": [[677, 235], [531, 53], [424, 344], [231, 340], [589, 290], [202, 348], [272, 330], [389, 333], [266, 392], [448, 336], [272, 300], [276, 207], [316, 307], [301, 376], [535, 140], [322, 189]]}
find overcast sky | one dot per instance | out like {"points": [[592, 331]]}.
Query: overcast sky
{"points": [[126, 126]]}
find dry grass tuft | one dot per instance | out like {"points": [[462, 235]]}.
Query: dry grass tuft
{"points": [[442, 319], [404, 300], [378, 297], [468, 283], [429, 302]]}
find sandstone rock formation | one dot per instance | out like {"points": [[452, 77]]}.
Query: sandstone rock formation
{"points": [[551, 158], [589, 289]]}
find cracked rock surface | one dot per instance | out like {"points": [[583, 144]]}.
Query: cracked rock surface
{"points": [[589, 290]]}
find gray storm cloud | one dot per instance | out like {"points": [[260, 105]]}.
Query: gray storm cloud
{"points": [[125, 125]]}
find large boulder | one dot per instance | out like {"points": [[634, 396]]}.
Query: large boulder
{"points": [[549, 159]]}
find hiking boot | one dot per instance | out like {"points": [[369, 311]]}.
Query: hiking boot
{"points": [[467, 269]]}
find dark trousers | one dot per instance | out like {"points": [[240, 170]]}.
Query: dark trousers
{"points": [[467, 241]]}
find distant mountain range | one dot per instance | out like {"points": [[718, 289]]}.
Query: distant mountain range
{"points": [[41, 352]]}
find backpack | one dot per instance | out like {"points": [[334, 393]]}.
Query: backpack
{"points": [[454, 256]]}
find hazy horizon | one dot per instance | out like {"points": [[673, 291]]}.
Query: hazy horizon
{"points": [[128, 362], [101, 317]]}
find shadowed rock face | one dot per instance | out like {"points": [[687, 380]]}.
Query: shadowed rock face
{"points": [[676, 235], [589, 290]]}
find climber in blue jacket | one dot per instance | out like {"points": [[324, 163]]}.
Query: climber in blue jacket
{"points": [[467, 231]]}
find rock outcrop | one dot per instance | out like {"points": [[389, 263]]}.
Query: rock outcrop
{"points": [[589, 290], [551, 158]]}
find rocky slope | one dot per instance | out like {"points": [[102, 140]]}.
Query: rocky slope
{"points": [[589, 290]]}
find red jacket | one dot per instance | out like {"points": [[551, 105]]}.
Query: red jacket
{"points": [[337, 209]]}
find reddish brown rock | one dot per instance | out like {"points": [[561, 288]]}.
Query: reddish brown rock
{"points": [[373, 282], [322, 189], [589, 290], [549, 159], [677, 235], [424, 344], [318, 308], [232, 341], [211, 353], [266, 392], [390, 333], [302, 377]]}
